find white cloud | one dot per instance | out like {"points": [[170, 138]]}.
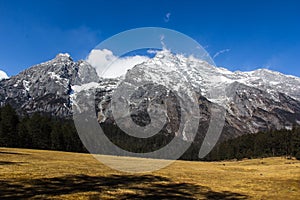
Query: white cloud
{"points": [[167, 17], [151, 51], [220, 52], [3, 75], [110, 66]]}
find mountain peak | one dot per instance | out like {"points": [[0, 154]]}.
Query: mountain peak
{"points": [[254, 101], [63, 56]]}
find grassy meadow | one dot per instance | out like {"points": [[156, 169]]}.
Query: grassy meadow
{"points": [[39, 174]]}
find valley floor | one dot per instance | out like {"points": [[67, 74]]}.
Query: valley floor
{"points": [[38, 174]]}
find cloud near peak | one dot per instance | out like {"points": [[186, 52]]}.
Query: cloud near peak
{"points": [[108, 65], [220, 52], [3, 75]]}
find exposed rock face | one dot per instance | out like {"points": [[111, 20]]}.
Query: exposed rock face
{"points": [[46, 87], [258, 110], [253, 101]]}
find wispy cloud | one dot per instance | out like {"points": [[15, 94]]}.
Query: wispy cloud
{"points": [[167, 17], [220, 52], [205, 47], [273, 62], [162, 38]]}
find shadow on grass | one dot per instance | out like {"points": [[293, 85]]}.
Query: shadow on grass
{"points": [[117, 186], [12, 153], [10, 163]]}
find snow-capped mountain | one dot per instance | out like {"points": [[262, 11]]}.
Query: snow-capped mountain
{"points": [[46, 87], [253, 101]]}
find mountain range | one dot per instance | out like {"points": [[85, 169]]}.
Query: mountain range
{"points": [[253, 101]]}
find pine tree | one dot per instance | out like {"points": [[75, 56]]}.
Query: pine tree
{"points": [[25, 139], [39, 130], [57, 141], [8, 127]]}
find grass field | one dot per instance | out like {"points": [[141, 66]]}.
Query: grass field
{"points": [[37, 174]]}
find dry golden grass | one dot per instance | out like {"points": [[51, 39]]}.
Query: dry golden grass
{"points": [[37, 174]]}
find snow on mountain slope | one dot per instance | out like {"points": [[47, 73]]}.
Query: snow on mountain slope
{"points": [[272, 82], [254, 101], [208, 79], [46, 87], [211, 81]]}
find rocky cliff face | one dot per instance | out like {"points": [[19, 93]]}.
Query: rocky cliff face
{"points": [[253, 101], [46, 87]]}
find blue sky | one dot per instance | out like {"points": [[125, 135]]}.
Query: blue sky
{"points": [[247, 34]]}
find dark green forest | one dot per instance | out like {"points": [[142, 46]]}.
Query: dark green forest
{"points": [[264, 144], [39, 131]]}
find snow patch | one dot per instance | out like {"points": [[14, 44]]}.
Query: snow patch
{"points": [[289, 128], [26, 85], [63, 55], [53, 75], [87, 86]]}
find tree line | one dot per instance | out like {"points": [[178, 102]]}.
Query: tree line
{"points": [[40, 131], [37, 131], [263, 144]]}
